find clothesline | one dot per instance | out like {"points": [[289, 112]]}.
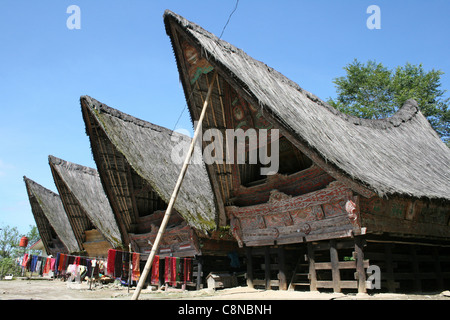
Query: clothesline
{"points": [[176, 270], [118, 264], [61, 264]]}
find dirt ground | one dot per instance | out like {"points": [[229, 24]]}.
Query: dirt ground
{"points": [[58, 290]]}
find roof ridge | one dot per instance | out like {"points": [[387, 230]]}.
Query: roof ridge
{"points": [[55, 161], [31, 181], [101, 107]]}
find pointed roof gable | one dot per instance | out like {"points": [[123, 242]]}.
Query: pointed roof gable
{"points": [[401, 155], [48, 210], [148, 150], [80, 187]]}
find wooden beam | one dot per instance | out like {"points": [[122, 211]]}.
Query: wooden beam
{"points": [[312, 268], [189, 93], [267, 267], [359, 244], [282, 268], [415, 269], [335, 266], [199, 272], [131, 192], [249, 267], [438, 269], [389, 267]]}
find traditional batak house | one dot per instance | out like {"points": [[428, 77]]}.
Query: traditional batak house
{"points": [[349, 193], [136, 166], [88, 210], [51, 220]]}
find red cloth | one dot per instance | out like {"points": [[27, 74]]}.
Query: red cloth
{"points": [[110, 262], [77, 261], [52, 263], [155, 271], [136, 273], [175, 270], [47, 266], [187, 272], [62, 261], [167, 269], [25, 260]]}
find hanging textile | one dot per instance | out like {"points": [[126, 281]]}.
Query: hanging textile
{"points": [[89, 267], [33, 263], [56, 265], [96, 265], [52, 264], [61, 262], [155, 271], [125, 265], [47, 266], [136, 273], [72, 269], [175, 270], [167, 270], [118, 264], [187, 270], [25, 260], [39, 264], [110, 262]]}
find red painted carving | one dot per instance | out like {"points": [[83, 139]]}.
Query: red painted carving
{"points": [[285, 215]]}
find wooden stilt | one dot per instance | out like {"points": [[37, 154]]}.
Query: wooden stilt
{"points": [[267, 267], [199, 272], [335, 266], [415, 267], [249, 267], [438, 269], [312, 268], [389, 267], [282, 268], [166, 218], [359, 245]]}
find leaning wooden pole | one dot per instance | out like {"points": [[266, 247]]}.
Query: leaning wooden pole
{"points": [[162, 228]]}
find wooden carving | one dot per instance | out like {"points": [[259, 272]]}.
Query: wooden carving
{"points": [[287, 219]]}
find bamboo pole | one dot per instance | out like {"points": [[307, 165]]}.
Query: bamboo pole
{"points": [[162, 228]]}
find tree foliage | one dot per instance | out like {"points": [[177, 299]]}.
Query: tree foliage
{"points": [[10, 250], [373, 91]]}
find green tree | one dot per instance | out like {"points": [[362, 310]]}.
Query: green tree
{"points": [[10, 250], [373, 91], [9, 243]]}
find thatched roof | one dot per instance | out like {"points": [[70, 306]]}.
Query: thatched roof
{"points": [[50, 216], [401, 155], [84, 200], [147, 149]]}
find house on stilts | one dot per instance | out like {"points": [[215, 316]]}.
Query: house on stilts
{"points": [[135, 160], [87, 208], [51, 220], [349, 194]]}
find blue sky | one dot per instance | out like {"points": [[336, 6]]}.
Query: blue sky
{"points": [[122, 56]]}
